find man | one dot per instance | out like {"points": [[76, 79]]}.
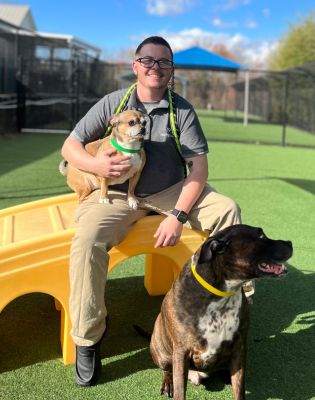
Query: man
{"points": [[163, 188]]}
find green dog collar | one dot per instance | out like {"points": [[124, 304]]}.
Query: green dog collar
{"points": [[118, 147]]}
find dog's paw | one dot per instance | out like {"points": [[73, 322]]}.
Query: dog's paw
{"points": [[104, 201], [167, 388], [133, 203], [195, 377]]}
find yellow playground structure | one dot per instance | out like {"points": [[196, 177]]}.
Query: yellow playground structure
{"points": [[35, 241]]}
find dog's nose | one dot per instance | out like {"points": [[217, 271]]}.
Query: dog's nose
{"points": [[289, 243], [289, 248]]}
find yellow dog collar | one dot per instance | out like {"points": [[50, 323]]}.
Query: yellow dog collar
{"points": [[207, 285]]}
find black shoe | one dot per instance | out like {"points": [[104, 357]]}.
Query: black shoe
{"points": [[88, 364]]}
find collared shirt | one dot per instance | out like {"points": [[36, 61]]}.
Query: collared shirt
{"points": [[163, 166]]}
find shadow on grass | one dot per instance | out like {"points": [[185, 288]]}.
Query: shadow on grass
{"points": [[281, 342], [305, 184], [29, 326], [29, 332], [281, 346]]}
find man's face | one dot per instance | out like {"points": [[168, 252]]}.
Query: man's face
{"points": [[153, 77]]}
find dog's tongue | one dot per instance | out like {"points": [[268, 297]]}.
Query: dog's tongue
{"points": [[276, 269]]}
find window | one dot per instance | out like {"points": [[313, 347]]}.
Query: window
{"points": [[61, 53], [42, 52]]}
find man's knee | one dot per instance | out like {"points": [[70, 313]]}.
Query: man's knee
{"points": [[228, 213], [232, 209], [88, 245]]}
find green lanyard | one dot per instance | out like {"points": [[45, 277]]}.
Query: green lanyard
{"points": [[172, 120], [121, 105]]}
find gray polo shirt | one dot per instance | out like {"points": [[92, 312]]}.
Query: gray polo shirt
{"points": [[163, 166]]}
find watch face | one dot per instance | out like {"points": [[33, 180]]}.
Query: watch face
{"points": [[182, 217]]}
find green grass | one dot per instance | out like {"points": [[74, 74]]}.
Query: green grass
{"points": [[29, 168], [275, 188], [230, 127]]}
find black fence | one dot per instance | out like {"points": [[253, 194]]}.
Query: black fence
{"points": [[45, 85], [55, 94], [286, 97]]}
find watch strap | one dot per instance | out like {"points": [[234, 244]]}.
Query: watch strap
{"points": [[180, 215]]}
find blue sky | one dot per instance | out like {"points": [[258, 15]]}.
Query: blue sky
{"points": [[247, 27]]}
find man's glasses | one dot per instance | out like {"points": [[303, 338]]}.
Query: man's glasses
{"points": [[149, 62]]}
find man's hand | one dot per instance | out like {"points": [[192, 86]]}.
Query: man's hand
{"points": [[168, 232], [110, 165]]}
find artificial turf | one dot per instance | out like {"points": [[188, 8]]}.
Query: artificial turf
{"points": [[275, 188]]}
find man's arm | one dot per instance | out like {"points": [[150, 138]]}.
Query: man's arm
{"points": [[169, 231], [107, 164]]}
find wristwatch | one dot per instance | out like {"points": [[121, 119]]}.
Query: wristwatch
{"points": [[180, 215]]}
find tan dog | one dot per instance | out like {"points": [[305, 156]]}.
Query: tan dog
{"points": [[127, 138]]}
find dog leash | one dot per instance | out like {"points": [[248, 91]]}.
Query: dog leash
{"points": [[207, 285]]}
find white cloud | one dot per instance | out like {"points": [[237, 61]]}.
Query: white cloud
{"points": [[247, 52], [251, 24], [266, 12], [218, 23], [231, 4], [251, 53], [168, 7], [258, 52]]}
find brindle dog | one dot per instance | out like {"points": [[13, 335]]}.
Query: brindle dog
{"points": [[204, 318]]}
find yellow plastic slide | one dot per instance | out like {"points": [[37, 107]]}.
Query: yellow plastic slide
{"points": [[35, 241]]}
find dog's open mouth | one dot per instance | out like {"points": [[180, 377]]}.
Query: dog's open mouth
{"points": [[272, 269]]}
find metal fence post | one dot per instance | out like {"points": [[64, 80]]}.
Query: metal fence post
{"points": [[75, 89], [20, 95], [246, 98], [284, 112]]}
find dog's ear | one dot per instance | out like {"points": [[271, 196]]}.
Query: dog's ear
{"points": [[210, 248], [114, 119]]}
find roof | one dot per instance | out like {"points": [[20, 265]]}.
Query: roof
{"points": [[198, 58], [17, 15], [70, 40]]}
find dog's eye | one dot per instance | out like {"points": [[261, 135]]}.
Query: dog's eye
{"points": [[132, 123], [262, 236]]}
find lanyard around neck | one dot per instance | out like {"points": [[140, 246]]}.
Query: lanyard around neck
{"points": [[174, 128]]}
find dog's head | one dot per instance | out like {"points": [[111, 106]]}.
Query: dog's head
{"points": [[244, 252], [128, 126]]}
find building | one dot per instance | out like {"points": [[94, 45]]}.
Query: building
{"points": [[47, 80]]}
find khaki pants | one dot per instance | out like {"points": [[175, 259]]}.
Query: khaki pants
{"points": [[102, 226]]}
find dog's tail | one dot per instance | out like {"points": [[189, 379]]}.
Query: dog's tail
{"points": [[142, 332], [63, 166]]}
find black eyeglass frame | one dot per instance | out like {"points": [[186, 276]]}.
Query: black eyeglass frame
{"points": [[169, 64]]}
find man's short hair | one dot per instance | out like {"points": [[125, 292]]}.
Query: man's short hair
{"points": [[154, 40]]}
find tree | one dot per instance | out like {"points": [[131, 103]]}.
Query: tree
{"points": [[222, 50], [297, 47]]}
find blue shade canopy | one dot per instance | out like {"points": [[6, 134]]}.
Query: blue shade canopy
{"points": [[198, 58]]}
